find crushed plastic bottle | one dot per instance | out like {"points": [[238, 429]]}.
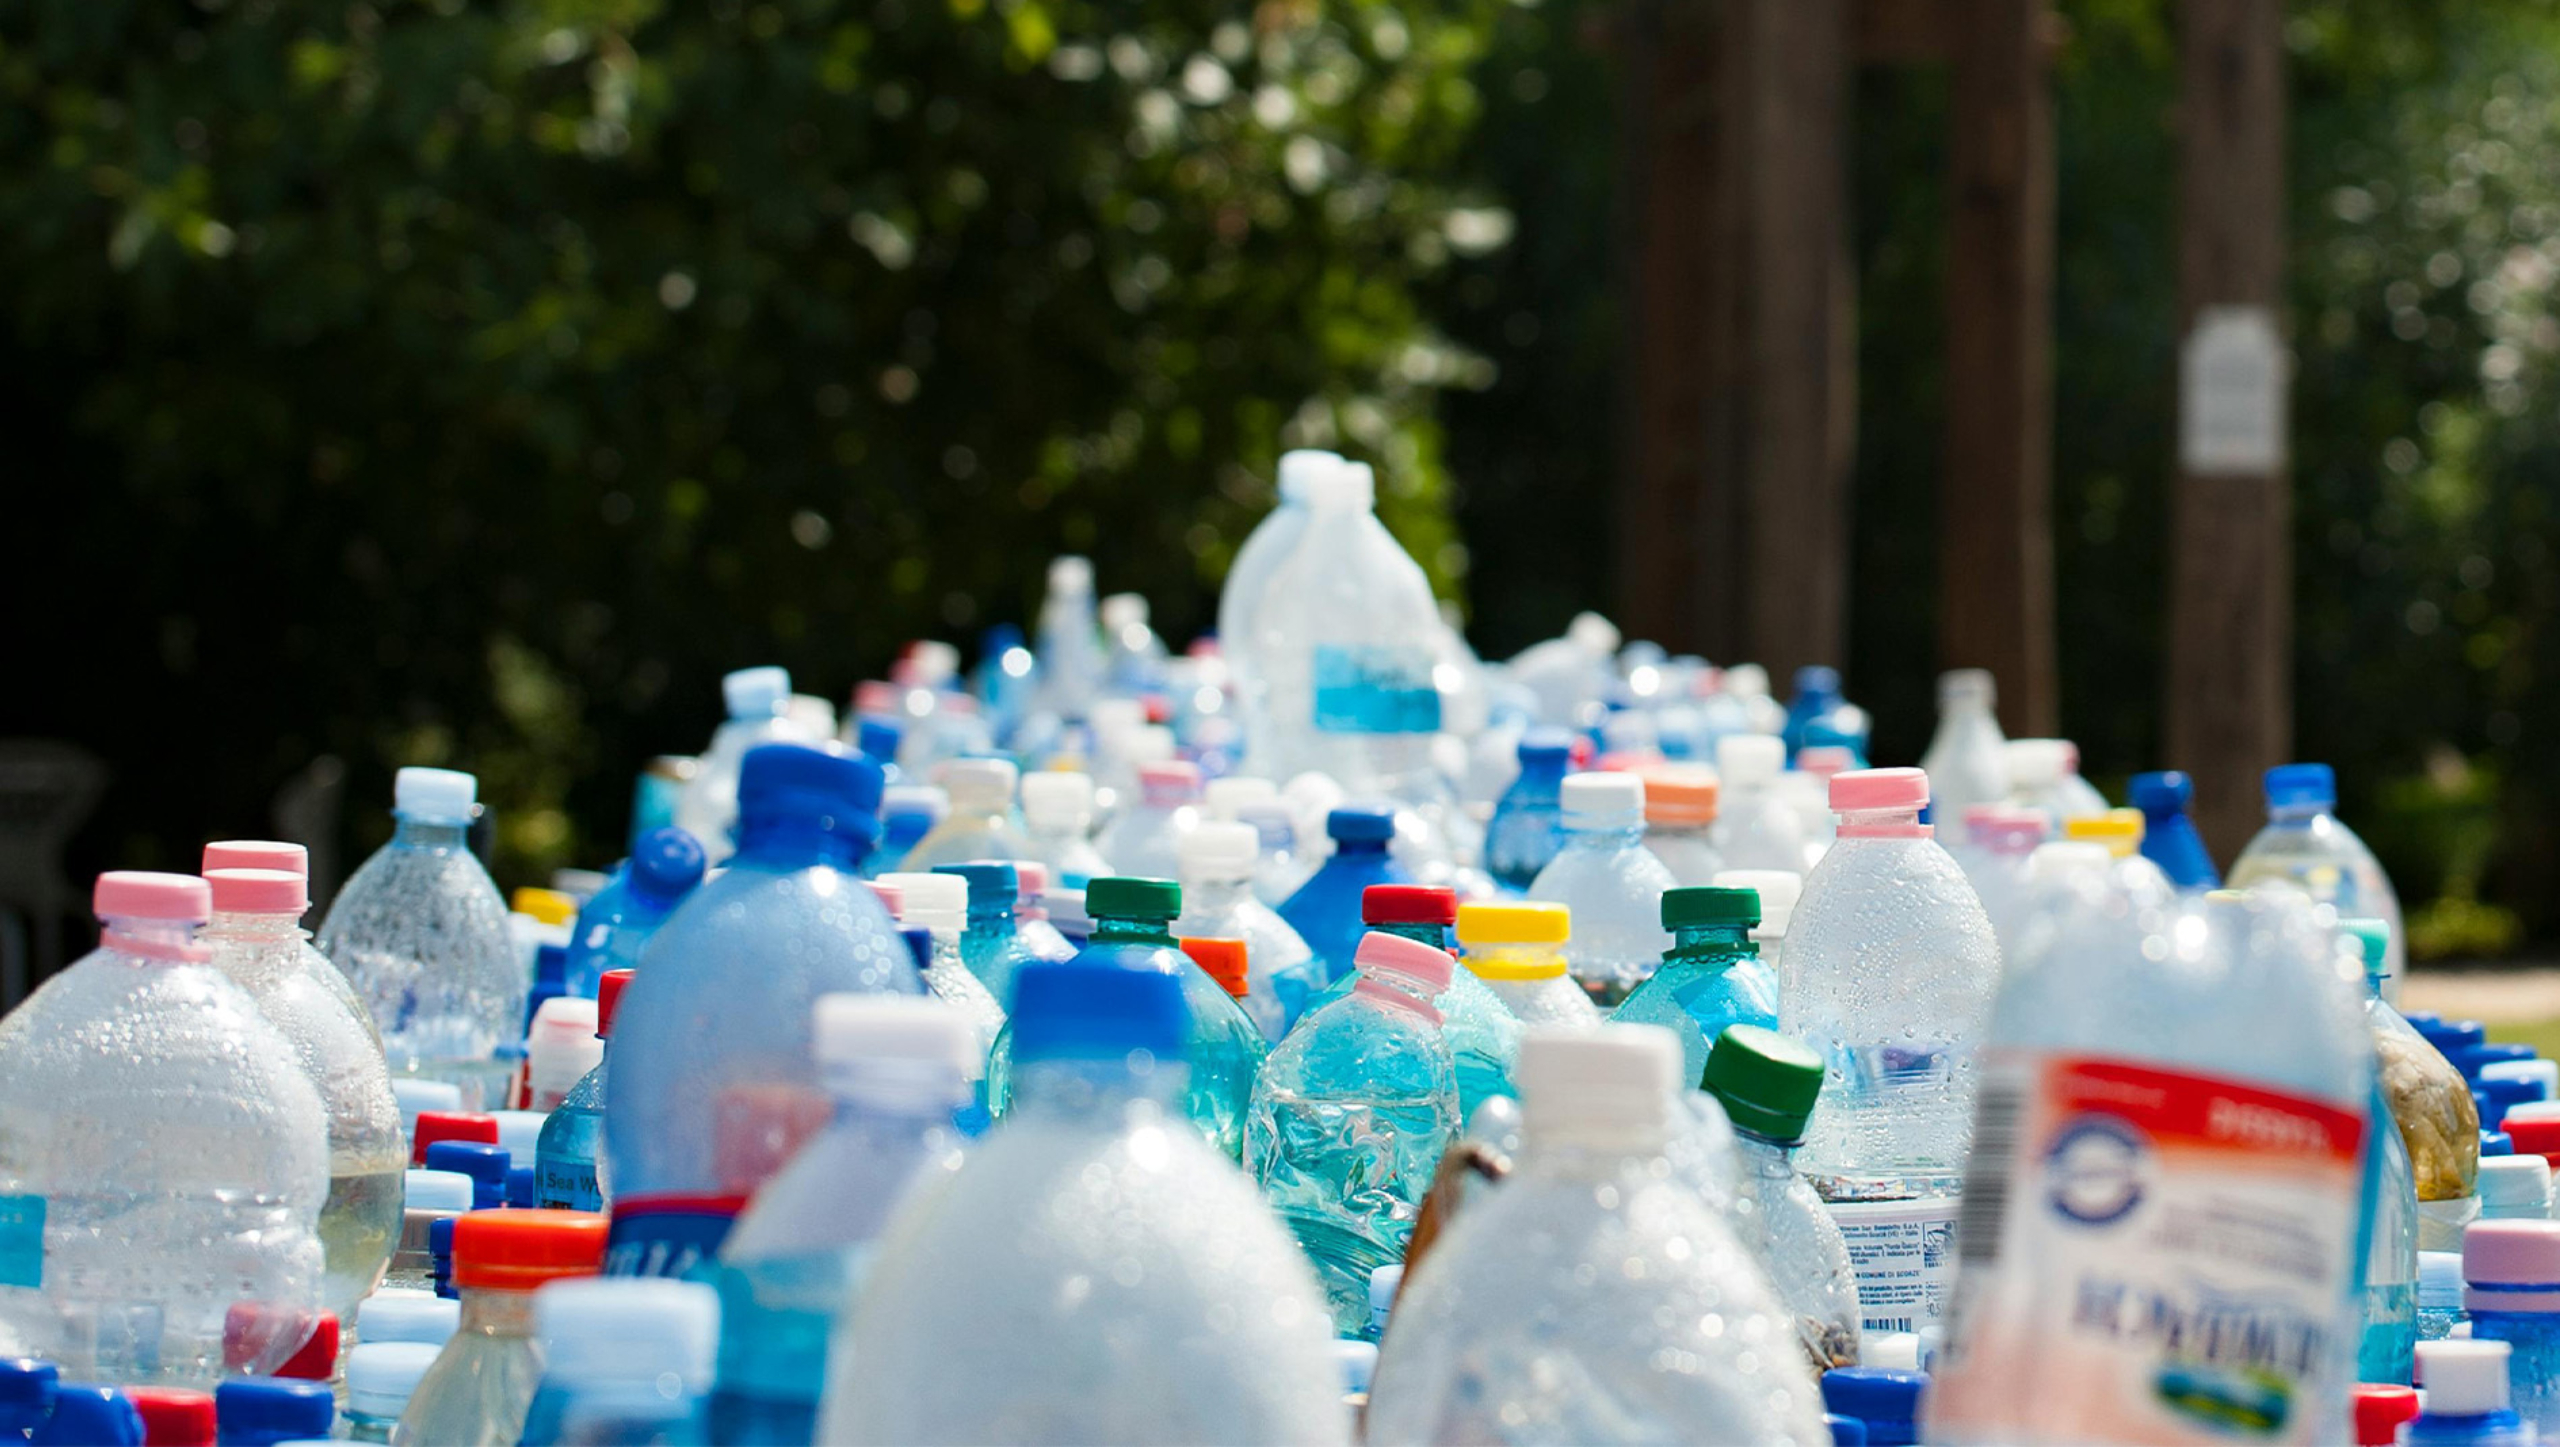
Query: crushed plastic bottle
{"points": [[1613, 886], [1526, 830], [759, 704], [2306, 843], [1968, 761], [1711, 978], [1755, 826], [483, 1381], [1216, 864], [1483, 1034], [1767, 1085], [664, 867]]}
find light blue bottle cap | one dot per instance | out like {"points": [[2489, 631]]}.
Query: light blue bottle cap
{"points": [[1097, 1012], [405, 1317], [434, 796], [640, 1329], [381, 1375], [1358, 1361], [2298, 785], [520, 1131], [415, 1095], [428, 1190], [1384, 1283]]}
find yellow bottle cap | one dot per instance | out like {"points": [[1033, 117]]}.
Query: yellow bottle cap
{"points": [[1527, 923], [2118, 829], [547, 905]]}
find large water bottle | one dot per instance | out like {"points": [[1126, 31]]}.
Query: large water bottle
{"points": [[898, 1069], [1350, 1116], [1755, 826], [618, 919], [1057, 818], [759, 703], [1133, 657], [256, 938], [1090, 1275], [1240, 597], [1611, 883], [1999, 839], [1569, 677], [1593, 1297], [624, 1363], [293, 859], [1144, 840], [422, 935], [163, 1156], [1326, 909], [1712, 978], [980, 824], [568, 1156], [2156, 1059], [1526, 831], [2169, 837], [1767, 1085], [1217, 860], [2305, 842], [714, 1086], [483, 1381]]}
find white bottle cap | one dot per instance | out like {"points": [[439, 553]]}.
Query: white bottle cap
{"points": [[1070, 574], [1602, 801], [932, 663], [938, 902], [2519, 1184], [979, 786], [2036, 763], [1053, 800], [2534, 1110], [1749, 759], [1967, 685], [754, 693], [2545, 1073], [1747, 680], [1778, 890], [812, 715], [415, 1095], [437, 796], [1114, 719], [1897, 1351], [1358, 1363], [401, 1314], [1123, 611], [1385, 1284], [1299, 468], [1593, 634], [1596, 1081], [2066, 858], [1217, 849], [2464, 1378], [425, 1190], [1148, 744], [1228, 795], [905, 1047], [519, 1131], [628, 1329], [1349, 485], [562, 1046], [381, 1375]]}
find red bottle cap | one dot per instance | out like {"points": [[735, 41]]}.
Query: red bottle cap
{"points": [[2534, 1137], [609, 999], [449, 1125], [1408, 904], [2380, 1409], [173, 1416], [318, 1359]]}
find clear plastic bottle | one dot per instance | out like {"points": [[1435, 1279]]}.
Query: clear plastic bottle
{"points": [[421, 933], [1592, 1297], [1483, 1034], [561, 1049], [1279, 866], [569, 1170], [1570, 675], [2388, 1335], [715, 1086], [624, 1363], [1038, 934], [980, 824], [1755, 827], [477, 1393], [1070, 642], [937, 905], [1518, 951], [1216, 861], [2438, 1121], [1057, 819], [1350, 1116], [1613, 886], [2467, 1402], [295, 860], [2119, 832], [1526, 831], [990, 943], [1679, 821], [617, 920], [1325, 911], [256, 938], [1999, 840], [2044, 774], [2440, 1293], [1263, 550], [1712, 976], [381, 1377], [2307, 844], [2169, 837], [2511, 1275], [759, 703], [1144, 840], [1968, 761], [1767, 1085], [1778, 891], [1094, 1272], [1820, 716], [163, 1155]]}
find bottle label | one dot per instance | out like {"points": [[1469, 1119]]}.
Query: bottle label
{"points": [[566, 1185], [2167, 1256], [1904, 1253], [1375, 689], [668, 1235], [22, 1241]]}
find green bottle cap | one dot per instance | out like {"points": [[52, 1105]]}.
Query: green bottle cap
{"points": [[1766, 1082], [1119, 897], [2373, 936], [1710, 905]]}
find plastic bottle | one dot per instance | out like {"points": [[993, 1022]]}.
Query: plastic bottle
{"points": [[960, 1334], [1712, 977], [1216, 861], [2306, 843], [2388, 1333], [2169, 837], [1070, 642], [381, 1377], [264, 1411], [426, 1198], [422, 935], [2439, 1294], [257, 940], [2044, 774], [937, 905], [1263, 550], [2430, 1103], [563, 1048], [1057, 818], [2215, 1044], [1483, 1034], [1968, 761], [716, 1087], [664, 867], [484, 1379], [163, 1154], [1999, 840], [1591, 1297], [1144, 840], [1326, 909], [1518, 951], [989, 942], [980, 824], [1679, 821], [1279, 868], [1613, 886], [2511, 1275], [624, 1363], [292, 859], [1350, 1115], [1767, 1085], [569, 1171], [1526, 830], [908, 812], [89, 1414], [1755, 828], [2119, 832], [2467, 1398], [759, 703], [1778, 891]]}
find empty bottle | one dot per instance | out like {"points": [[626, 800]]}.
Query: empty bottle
{"points": [[562, 1049], [1778, 891], [426, 1198], [759, 704], [1070, 642], [1610, 882], [2044, 774], [293, 859], [257, 939], [2169, 837], [164, 1155], [265, 1411], [971, 1328], [2000, 838], [1526, 830], [1038, 933], [2306, 843], [1216, 860], [483, 1381], [715, 1085], [1592, 1297], [1057, 820], [936, 906], [1144, 840], [1350, 1116], [2511, 1271], [1518, 951], [1767, 1085], [624, 1363], [1279, 866], [1755, 826], [980, 824], [568, 1156], [1820, 717], [381, 1377], [422, 935], [2119, 832], [990, 944], [2467, 1399], [1967, 762], [1712, 977], [1679, 822], [908, 812], [1326, 909], [617, 920], [1263, 550], [2388, 1337]]}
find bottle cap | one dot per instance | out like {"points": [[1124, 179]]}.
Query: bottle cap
{"points": [[823, 785], [256, 854], [1070, 574], [1845, 1431], [2511, 1266], [142, 894], [2544, 1074], [27, 1386], [1778, 890], [1358, 1363], [1054, 800], [609, 988], [2067, 859], [1150, 744], [1867, 791], [986, 884], [1545, 748], [1166, 784], [1225, 796], [912, 1034], [90, 1414], [1596, 1079], [937, 901], [2118, 830], [517, 1250], [1529, 922], [1408, 904], [1401, 959], [629, 1329], [2380, 1408], [381, 1375], [1676, 794], [436, 1189], [1361, 824], [393, 1315], [665, 865], [1299, 467], [877, 737], [1121, 896], [485, 1165], [2301, 785], [1874, 1394], [1346, 485], [257, 891], [754, 693], [1749, 758], [1592, 634], [176, 1416], [317, 1361], [2161, 794], [269, 1408], [1966, 685], [2496, 1143], [2509, 1184], [2464, 1378], [2037, 763], [1223, 960], [1083, 1012], [1817, 680], [892, 898], [1766, 1082], [1030, 881], [2005, 828], [434, 796], [2496, 1097], [921, 806], [1217, 849], [2373, 942], [1602, 801], [549, 906], [1710, 906], [2472, 1059], [979, 786], [563, 1044], [449, 1125]]}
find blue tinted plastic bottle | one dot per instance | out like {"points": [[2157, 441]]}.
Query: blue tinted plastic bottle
{"points": [[1526, 830], [568, 1156], [1131, 929], [714, 1085], [1326, 909], [1818, 716], [1711, 979], [612, 926], [625, 1363], [2306, 843], [2169, 837], [989, 943]]}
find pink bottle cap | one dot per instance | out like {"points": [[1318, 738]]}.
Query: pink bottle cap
{"points": [[2005, 828], [141, 894], [1880, 803], [1030, 878], [257, 854], [2511, 1266], [1169, 783], [1422, 968], [258, 891], [892, 898]]}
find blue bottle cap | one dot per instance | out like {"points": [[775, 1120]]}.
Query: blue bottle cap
{"points": [[991, 881], [2161, 794], [89, 1414], [919, 945], [877, 738], [1361, 824], [26, 1388], [2300, 784], [440, 1251], [520, 1186], [2496, 1143], [2469, 1058], [1886, 1399], [825, 785], [2449, 1035], [1077, 1011], [550, 965], [1845, 1431], [270, 1409], [2501, 1091], [2423, 1021], [485, 1164], [1545, 745], [1817, 679], [665, 864]]}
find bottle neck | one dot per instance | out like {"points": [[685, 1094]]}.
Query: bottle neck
{"points": [[1396, 992], [1610, 834], [253, 948], [492, 1312], [1588, 1154], [1434, 935], [2300, 813], [993, 919], [1120, 930], [1349, 849], [1882, 824], [1213, 896], [1712, 946], [153, 941], [793, 841], [1763, 1157], [415, 833], [891, 1098]]}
